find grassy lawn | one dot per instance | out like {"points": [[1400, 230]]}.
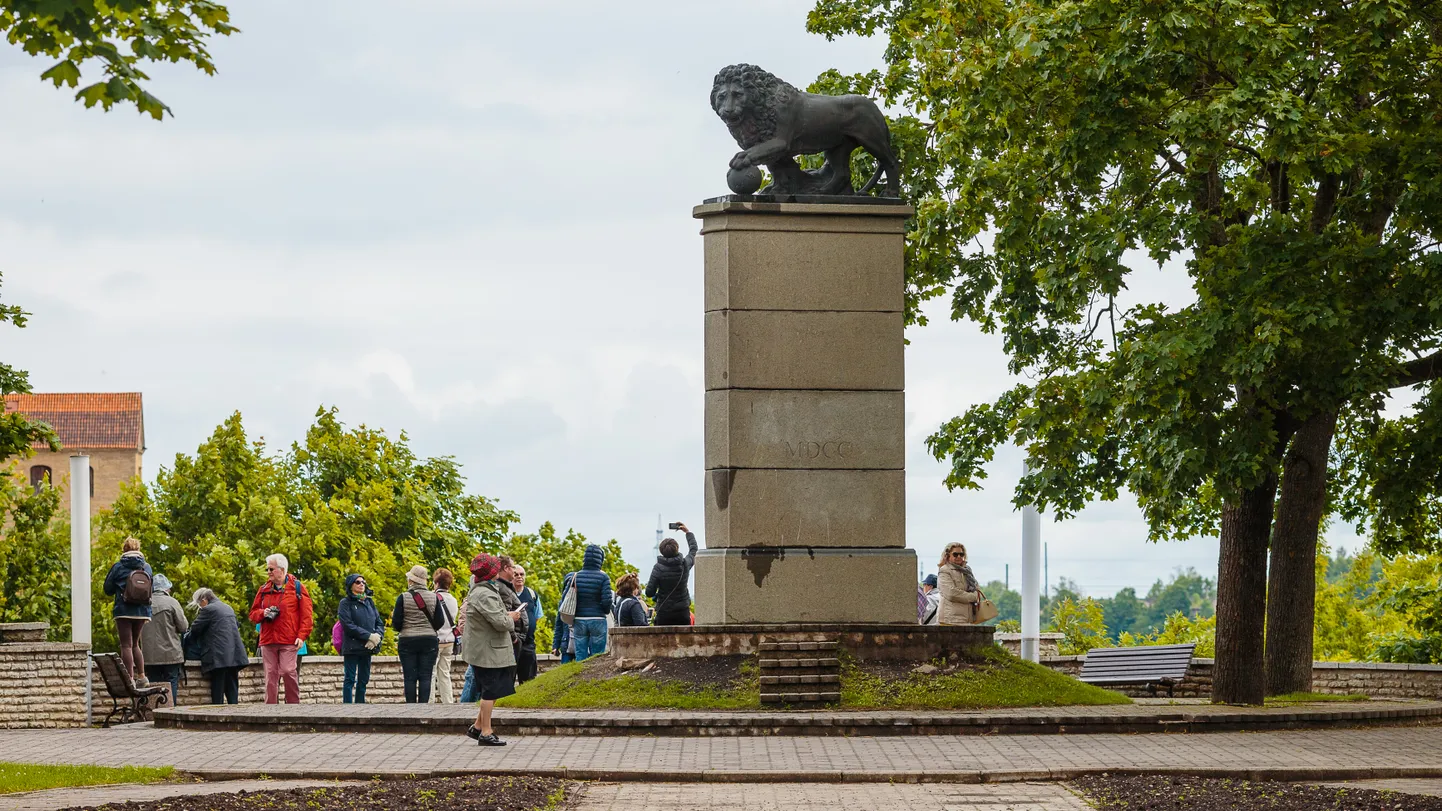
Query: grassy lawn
{"points": [[15, 777], [993, 679], [1289, 699]]}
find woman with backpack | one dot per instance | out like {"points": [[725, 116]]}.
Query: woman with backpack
{"points": [[417, 618], [629, 610], [129, 581], [360, 629]]}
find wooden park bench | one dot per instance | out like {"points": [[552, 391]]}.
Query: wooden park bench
{"points": [[129, 702], [1152, 666]]}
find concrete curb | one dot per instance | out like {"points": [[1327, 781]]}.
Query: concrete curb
{"points": [[835, 776]]}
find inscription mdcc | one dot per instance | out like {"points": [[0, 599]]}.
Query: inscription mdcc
{"points": [[807, 449]]}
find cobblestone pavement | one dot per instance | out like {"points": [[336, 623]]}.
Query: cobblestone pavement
{"points": [[95, 795], [1424, 786], [828, 797], [1390, 752]]}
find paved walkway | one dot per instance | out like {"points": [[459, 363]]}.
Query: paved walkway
{"points": [[825, 797], [1394, 752], [1147, 715], [98, 795]]}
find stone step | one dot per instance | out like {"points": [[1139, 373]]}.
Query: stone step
{"points": [[830, 697], [776, 647], [810, 678], [777, 664]]}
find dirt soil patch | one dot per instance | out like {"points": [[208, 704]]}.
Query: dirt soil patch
{"points": [[896, 671], [720, 672], [450, 793], [1163, 793]]}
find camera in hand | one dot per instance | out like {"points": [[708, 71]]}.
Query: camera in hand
{"points": [[271, 612], [674, 525]]}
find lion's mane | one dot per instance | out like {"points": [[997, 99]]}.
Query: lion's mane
{"points": [[766, 95]]}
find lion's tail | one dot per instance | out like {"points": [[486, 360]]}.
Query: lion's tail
{"points": [[870, 184]]}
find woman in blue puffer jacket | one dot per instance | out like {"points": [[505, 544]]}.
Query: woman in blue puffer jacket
{"points": [[593, 603]]}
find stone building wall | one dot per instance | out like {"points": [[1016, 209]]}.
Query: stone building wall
{"points": [[1049, 644], [112, 467]]}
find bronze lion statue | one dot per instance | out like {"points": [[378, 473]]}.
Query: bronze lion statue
{"points": [[774, 122]]}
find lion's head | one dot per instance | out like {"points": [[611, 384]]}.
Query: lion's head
{"points": [[749, 100]]}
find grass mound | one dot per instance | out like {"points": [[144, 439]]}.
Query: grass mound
{"points": [[17, 777], [721, 683], [993, 678]]}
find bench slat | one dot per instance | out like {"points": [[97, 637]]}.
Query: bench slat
{"points": [[1154, 664]]}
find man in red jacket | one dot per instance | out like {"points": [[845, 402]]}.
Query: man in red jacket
{"points": [[283, 609]]}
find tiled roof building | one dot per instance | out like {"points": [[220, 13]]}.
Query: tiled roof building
{"points": [[108, 427]]}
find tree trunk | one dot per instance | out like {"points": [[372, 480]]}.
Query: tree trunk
{"points": [[1242, 595], [1292, 584]]}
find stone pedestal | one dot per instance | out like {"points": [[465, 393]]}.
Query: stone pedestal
{"points": [[805, 415]]}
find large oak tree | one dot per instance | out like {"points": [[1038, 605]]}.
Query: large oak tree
{"points": [[1287, 155]]}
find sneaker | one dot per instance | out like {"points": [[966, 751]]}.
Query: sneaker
{"points": [[142, 683], [490, 740], [473, 733]]}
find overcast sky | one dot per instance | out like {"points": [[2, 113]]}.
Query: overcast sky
{"points": [[470, 221]]}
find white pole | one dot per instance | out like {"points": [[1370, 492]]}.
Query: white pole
{"points": [[659, 527], [80, 549], [1030, 582]]}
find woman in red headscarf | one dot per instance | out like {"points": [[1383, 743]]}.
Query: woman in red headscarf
{"points": [[486, 642]]}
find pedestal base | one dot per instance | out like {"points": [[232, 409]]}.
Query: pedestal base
{"points": [[771, 585]]}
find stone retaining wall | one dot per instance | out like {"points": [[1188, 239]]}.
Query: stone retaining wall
{"points": [[321, 680], [1048, 644], [42, 684], [1375, 679]]}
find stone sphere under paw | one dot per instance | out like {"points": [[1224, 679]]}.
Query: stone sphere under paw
{"points": [[744, 181]]}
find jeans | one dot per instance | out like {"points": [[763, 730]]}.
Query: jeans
{"points": [[470, 694], [590, 633], [165, 674], [225, 685], [357, 676], [280, 664], [567, 656], [418, 665]]}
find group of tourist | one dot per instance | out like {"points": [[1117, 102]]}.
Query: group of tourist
{"points": [[951, 596], [493, 630]]}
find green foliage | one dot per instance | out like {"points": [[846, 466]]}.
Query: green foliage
{"points": [[1289, 160], [1081, 624], [17, 777], [119, 36], [1180, 629], [344, 500], [34, 546], [998, 679]]}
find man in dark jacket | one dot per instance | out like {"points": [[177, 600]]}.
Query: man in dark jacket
{"points": [[593, 604], [667, 586], [526, 665], [361, 631], [214, 639]]}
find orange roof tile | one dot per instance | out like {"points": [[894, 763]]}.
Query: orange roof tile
{"points": [[87, 420]]}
